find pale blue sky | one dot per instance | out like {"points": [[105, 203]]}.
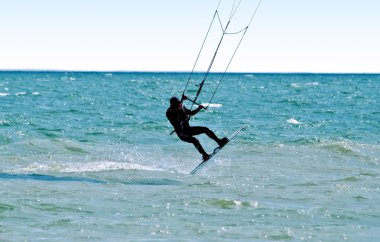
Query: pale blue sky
{"points": [[165, 35]]}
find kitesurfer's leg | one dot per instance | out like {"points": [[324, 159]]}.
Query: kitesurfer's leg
{"points": [[196, 130], [195, 142]]}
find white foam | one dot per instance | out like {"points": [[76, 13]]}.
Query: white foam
{"points": [[212, 105], [4, 94], [105, 166], [293, 121], [298, 85], [4, 122], [237, 203], [250, 76], [35, 167], [20, 93], [295, 85], [85, 167]]}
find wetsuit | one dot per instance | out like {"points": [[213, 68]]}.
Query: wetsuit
{"points": [[180, 121]]}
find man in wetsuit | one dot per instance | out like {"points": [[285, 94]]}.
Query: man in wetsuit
{"points": [[179, 117]]}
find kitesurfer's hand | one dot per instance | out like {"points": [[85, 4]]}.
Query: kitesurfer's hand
{"points": [[201, 106], [184, 97]]}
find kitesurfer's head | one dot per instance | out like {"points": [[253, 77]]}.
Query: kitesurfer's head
{"points": [[174, 101]]}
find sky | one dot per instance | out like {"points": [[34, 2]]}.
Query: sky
{"points": [[333, 36]]}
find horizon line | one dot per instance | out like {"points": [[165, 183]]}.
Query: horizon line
{"points": [[174, 71]]}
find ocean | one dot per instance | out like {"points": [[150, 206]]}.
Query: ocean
{"points": [[88, 156]]}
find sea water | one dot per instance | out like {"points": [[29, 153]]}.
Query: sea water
{"points": [[88, 156]]}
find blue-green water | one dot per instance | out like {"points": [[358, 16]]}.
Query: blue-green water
{"points": [[88, 157]]}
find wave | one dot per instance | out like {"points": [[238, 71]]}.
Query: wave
{"points": [[295, 102], [229, 204], [250, 76], [349, 179], [349, 148], [5, 123], [298, 85], [354, 153], [43, 177], [4, 94], [20, 93], [55, 178], [97, 166]]}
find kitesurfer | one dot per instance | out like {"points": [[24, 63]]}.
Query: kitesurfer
{"points": [[179, 117]]}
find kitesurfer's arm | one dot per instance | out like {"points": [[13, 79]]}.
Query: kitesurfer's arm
{"points": [[195, 111], [191, 112]]}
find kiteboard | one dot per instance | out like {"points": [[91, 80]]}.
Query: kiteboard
{"points": [[216, 150]]}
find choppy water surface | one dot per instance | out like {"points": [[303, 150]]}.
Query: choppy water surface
{"points": [[88, 157]]}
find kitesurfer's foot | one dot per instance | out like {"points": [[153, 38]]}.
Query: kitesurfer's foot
{"points": [[206, 157], [222, 142]]}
